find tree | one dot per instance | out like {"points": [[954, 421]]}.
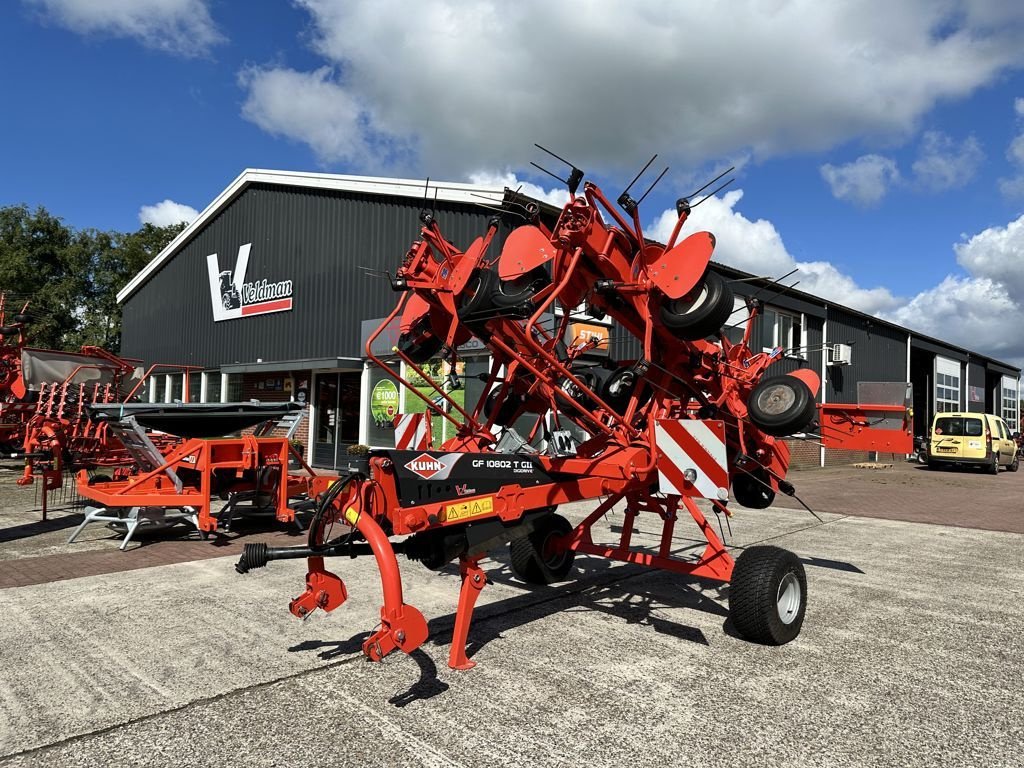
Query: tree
{"points": [[71, 278], [117, 258], [46, 263]]}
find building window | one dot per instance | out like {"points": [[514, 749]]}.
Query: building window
{"points": [[234, 388], [1011, 406], [212, 386], [947, 392], [195, 386], [177, 384], [782, 329]]}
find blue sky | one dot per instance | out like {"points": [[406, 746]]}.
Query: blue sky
{"points": [[879, 145]]}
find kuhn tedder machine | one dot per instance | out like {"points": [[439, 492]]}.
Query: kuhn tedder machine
{"points": [[691, 415]]}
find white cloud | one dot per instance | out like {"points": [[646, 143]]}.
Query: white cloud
{"points": [[167, 212], [183, 27], [943, 164], [472, 85], [979, 310], [757, 247], [1014, 185], [865, 181], [558, 196], [312, 108]]}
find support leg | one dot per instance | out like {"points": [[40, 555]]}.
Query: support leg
{"points": [[473, 582], [90, 516]]}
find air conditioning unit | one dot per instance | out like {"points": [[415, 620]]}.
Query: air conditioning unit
{"points": [[840, 354]]}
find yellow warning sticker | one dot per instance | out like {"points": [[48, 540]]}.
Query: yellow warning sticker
{"points": [[469, 509]]}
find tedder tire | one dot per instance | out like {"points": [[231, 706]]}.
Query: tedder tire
{"points": [[781, 405], [521, 289], [532, 558], [478, 295], [702, 312], [750, 493], [420, 343], [768, 595]]}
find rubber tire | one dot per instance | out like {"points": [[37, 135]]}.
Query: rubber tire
{"points": [[689, 321], [521, 289], [993, 468], [420, 343], [753, 595], [620, 400], [527, 553], [751, 494], [506, 413], [794, 419], [1015, 464], [478, 294]]}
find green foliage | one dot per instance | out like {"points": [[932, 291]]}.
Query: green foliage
{"points": [[70, 278]]}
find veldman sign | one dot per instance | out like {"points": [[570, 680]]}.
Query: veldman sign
{"points": [[232, 297]]}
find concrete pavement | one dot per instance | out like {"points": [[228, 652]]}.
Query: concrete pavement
{"points": [[911, 655]]}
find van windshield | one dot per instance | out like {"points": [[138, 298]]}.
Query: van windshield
{"points": [[958, 426]]}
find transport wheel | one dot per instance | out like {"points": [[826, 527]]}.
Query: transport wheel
{"points": [[506, 413], [701, 312], [617, 388], [534, 559], [521, 289], [781, 405], [750, 493], [478, 295], [768, 595], [420, 343]]}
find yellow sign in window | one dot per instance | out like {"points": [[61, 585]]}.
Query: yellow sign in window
{"points": [[469, 509]]}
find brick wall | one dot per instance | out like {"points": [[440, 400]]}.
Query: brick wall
{"points": [[270, 388]]}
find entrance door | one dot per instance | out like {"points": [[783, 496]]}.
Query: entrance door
{"points": [[337, 417]]}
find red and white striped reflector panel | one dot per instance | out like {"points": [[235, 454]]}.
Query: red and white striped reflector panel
{"points": [[691, 458], [413, 432]]}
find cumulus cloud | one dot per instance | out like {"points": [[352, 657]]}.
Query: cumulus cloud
{"points": [[182, 27], [1014, 185], [473, 85], [496, 179], [979, 310], [865, 181], [166, 213], [943, 164], [758, 248]]}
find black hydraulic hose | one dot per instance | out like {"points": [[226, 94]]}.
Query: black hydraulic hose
{"points": [[326, 500]]}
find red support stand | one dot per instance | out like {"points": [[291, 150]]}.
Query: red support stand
{"points": [[473, 581]]}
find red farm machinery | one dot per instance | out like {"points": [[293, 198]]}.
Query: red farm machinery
{"points": [[688, 417], [84, 413]]}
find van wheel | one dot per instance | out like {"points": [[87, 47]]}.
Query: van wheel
{"points": [[993, 468]]}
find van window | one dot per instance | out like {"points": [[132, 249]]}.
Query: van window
{"points": [[958, 426]]}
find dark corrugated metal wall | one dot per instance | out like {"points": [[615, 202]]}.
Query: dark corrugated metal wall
{"points": [[879, 354], [319, 240]]}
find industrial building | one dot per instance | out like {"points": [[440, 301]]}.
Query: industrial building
{"points": [[274, 289]]}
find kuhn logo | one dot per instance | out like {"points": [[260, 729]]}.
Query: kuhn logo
{"points": [[233, 298], [425, 466]]}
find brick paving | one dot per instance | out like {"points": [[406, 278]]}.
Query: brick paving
{"points": [[43, 569], [904, 491], [964, 498]]}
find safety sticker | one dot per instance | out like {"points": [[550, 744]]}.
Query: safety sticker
{"points": [[469, 509]]}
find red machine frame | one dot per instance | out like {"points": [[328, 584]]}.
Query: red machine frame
{"points": [[727, 419]]}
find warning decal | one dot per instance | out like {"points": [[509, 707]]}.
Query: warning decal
{"points": [[468, 509]]}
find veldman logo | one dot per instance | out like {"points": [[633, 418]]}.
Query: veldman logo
{"points": [[233, 298]]}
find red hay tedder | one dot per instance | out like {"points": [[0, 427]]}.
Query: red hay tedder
{"points": [[689, 417]]}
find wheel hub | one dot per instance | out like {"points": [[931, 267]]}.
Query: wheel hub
{"points": [[776, 400], [788, 598]]}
